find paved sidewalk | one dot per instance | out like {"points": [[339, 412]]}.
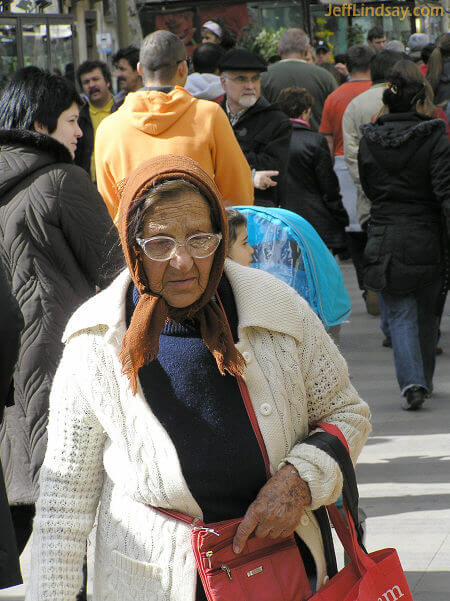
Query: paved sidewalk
{"points": [[404, 470]]}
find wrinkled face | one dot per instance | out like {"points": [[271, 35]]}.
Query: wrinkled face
{"points": [[128, 79], [95, 87], [378, 43], [209, 36], [67, 130], [181, 280], [241, 251], [243, 88]]}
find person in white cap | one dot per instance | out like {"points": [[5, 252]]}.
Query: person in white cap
{"points": [[215, 32]]}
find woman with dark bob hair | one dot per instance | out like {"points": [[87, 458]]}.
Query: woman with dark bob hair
{"points": [[55, 238], [146, 411], [404, 167]]}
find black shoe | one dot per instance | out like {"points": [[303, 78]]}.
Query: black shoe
{"points": [[415, 397], [387, 342], [439, 350]]}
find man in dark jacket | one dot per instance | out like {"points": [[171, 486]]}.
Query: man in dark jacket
{"points": [[262, 130], [11, 324]]}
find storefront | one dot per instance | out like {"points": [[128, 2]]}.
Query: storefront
{"points": [[35, 33], [184, 18]]}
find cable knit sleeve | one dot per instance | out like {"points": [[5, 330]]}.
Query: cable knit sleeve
{"points": [[70, 480], [330, 398]]}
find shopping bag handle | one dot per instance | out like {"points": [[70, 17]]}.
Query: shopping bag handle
{"points": [[346, 528]]}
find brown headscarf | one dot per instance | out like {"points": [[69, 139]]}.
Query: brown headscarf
{"points": [[141, 341]]}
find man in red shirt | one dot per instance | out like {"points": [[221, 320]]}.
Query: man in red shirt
{"points": [[358, 64]]}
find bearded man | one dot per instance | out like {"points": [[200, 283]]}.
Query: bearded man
{"points": [[262, 129]]}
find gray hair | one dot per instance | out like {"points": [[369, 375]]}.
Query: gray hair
{"points": [[160, 53], [293, 40], [395, 45]]}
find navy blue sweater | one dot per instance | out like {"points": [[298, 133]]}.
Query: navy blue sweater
{"points": [[204, 414]]}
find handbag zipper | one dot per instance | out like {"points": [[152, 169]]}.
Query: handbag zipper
{"points": [[239, 560]]}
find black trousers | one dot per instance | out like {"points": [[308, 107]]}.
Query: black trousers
{"points": [[22, 517], [356, 243]]}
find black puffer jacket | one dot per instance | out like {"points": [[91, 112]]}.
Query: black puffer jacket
{"points": [[404, 167], [263, 133], [55, 240], [312, 187]]}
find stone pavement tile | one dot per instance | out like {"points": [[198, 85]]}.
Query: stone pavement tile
{"points": [[433, 583]]}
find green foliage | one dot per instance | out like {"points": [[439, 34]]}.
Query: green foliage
{"points": [[355, 35], [262, 41], [322, 33]]}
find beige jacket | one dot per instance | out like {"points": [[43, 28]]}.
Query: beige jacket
{"points": [[106, 449], [360, 110]]}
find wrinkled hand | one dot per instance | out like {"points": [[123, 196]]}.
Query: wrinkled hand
{"points": [[276, 510], [262, 179]]}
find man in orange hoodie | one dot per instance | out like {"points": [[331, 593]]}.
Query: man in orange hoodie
{"points": [[163, 118]]}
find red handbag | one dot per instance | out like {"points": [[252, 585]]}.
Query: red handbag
{"points": [[376, 576], [265, 570]]}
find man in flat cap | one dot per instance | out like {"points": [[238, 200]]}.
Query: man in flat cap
{"points": [[262, 129], [163, 118]]}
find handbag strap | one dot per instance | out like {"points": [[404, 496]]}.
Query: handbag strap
{"points": [[249, 405], [254, 422]]}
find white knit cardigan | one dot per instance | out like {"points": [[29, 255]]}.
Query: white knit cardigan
{"points": [[107, 450]]}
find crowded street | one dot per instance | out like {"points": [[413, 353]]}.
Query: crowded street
{"points": [[224, 314]]}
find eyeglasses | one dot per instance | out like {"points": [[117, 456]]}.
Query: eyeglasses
{"points": [[163, 248], [241, 79]]}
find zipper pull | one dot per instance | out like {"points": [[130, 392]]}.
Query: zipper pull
{"points": [[227, 570], [209, 530], [209, 554]]}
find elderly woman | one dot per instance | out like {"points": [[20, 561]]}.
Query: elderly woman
{"points": [[146, 411]]}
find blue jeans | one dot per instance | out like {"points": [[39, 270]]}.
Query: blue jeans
{"points": [[413, 325]]}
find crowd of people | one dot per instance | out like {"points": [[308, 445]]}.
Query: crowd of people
{"points": [[134, 318]]}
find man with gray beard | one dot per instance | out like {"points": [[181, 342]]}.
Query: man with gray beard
{"points": [[262, 129]]}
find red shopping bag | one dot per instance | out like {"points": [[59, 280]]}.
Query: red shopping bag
{"points": [[376, 576]]}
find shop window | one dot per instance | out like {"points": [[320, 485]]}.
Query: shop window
{"points": [[61, 48], [8, 50], [330, 29], [275, 17], [34, 44]]}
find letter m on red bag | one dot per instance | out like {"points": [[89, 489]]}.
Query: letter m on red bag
{"points": [[392, 594]]}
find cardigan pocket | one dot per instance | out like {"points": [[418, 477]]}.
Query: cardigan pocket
{"points": [[135, 580]]}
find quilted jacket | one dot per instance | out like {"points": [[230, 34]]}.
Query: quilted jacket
{"points": [[56, 240], [404, 168]]}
